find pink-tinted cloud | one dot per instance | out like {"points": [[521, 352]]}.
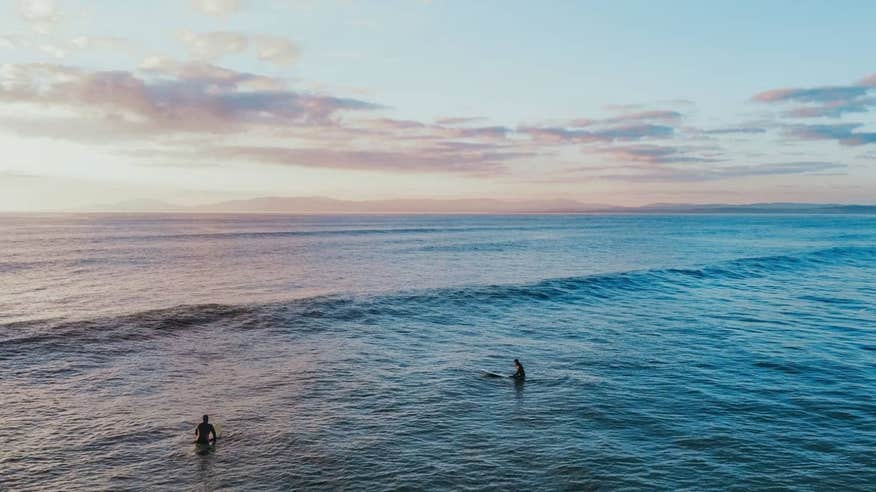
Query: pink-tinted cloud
{"points": [[475, 160], [823, 102], [742, 130], [200, 99], [869, 81], [817, 94], [843, 133], [182, 103], [465, 120], [605, 135], [489, 132], [652, 154], [636, 173]]}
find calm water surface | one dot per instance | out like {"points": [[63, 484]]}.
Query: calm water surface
{"points": [[346, 353]]}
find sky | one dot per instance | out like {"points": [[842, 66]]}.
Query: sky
{"points": [[614, 102]]}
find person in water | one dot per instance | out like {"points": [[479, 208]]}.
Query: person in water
{"points": [[520, 374], [204, 430]]}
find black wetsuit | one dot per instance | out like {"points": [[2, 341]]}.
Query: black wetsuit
{"points": [[204, 431], [520, 374]]}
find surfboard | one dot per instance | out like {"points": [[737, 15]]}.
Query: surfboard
{"points": [[490, 374]]}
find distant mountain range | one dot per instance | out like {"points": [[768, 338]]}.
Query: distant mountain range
{"points": [[323, 205]]}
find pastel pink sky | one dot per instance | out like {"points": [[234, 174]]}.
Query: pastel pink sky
{"points": [[206, 100]]}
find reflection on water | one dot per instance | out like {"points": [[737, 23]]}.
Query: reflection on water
{"points": [[519, 383]]}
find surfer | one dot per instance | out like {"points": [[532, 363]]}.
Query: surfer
{"points": [[204, 430], [520, 373]]}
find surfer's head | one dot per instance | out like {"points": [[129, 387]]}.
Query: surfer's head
{"points": [[516, 362], [206, 418]]}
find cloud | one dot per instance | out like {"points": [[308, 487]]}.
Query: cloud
{"points": [[689, 174], [832, 110], [57, 48], [605, 135], [276, 50], [818, 94], [823, 102], [869, 81], [212, 75], [460, 120], [843, 133], [11, 42], [211, 46], [180, 106], [42, 15], [217, 7], [199, 98], [734, 130], [660, 115], [101, 42], [652, 154], [492, 132], [393, 124], [439, 159]]}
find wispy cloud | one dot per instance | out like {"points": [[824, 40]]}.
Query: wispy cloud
{"points": [[653, 154], [276, 50], [438, 159], [740, 130], [42, 15], [62, 48], [605, 135], [460, 120], [825, 101], [217, 7], [658, 115], [714, 173], [843, 133], [212, 46], [817, 94], [200, 98], [182, 102], [869, 81]]}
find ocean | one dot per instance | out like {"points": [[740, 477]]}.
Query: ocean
{"points": [[663, 352]]}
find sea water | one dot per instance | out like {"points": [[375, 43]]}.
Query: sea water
{"points": [[346, 353]]}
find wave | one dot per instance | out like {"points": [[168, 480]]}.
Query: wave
{"points": [[327, 312]]}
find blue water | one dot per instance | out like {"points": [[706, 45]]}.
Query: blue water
{"points": [[662, 352]]}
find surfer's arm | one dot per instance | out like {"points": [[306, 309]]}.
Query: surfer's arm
{"points": [[213, 432]]}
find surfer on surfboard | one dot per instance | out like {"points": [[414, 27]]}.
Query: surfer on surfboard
{"points": [[203, 431], [520, 373]]}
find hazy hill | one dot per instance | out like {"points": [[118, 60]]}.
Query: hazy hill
{"points": [[323, 205]]}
